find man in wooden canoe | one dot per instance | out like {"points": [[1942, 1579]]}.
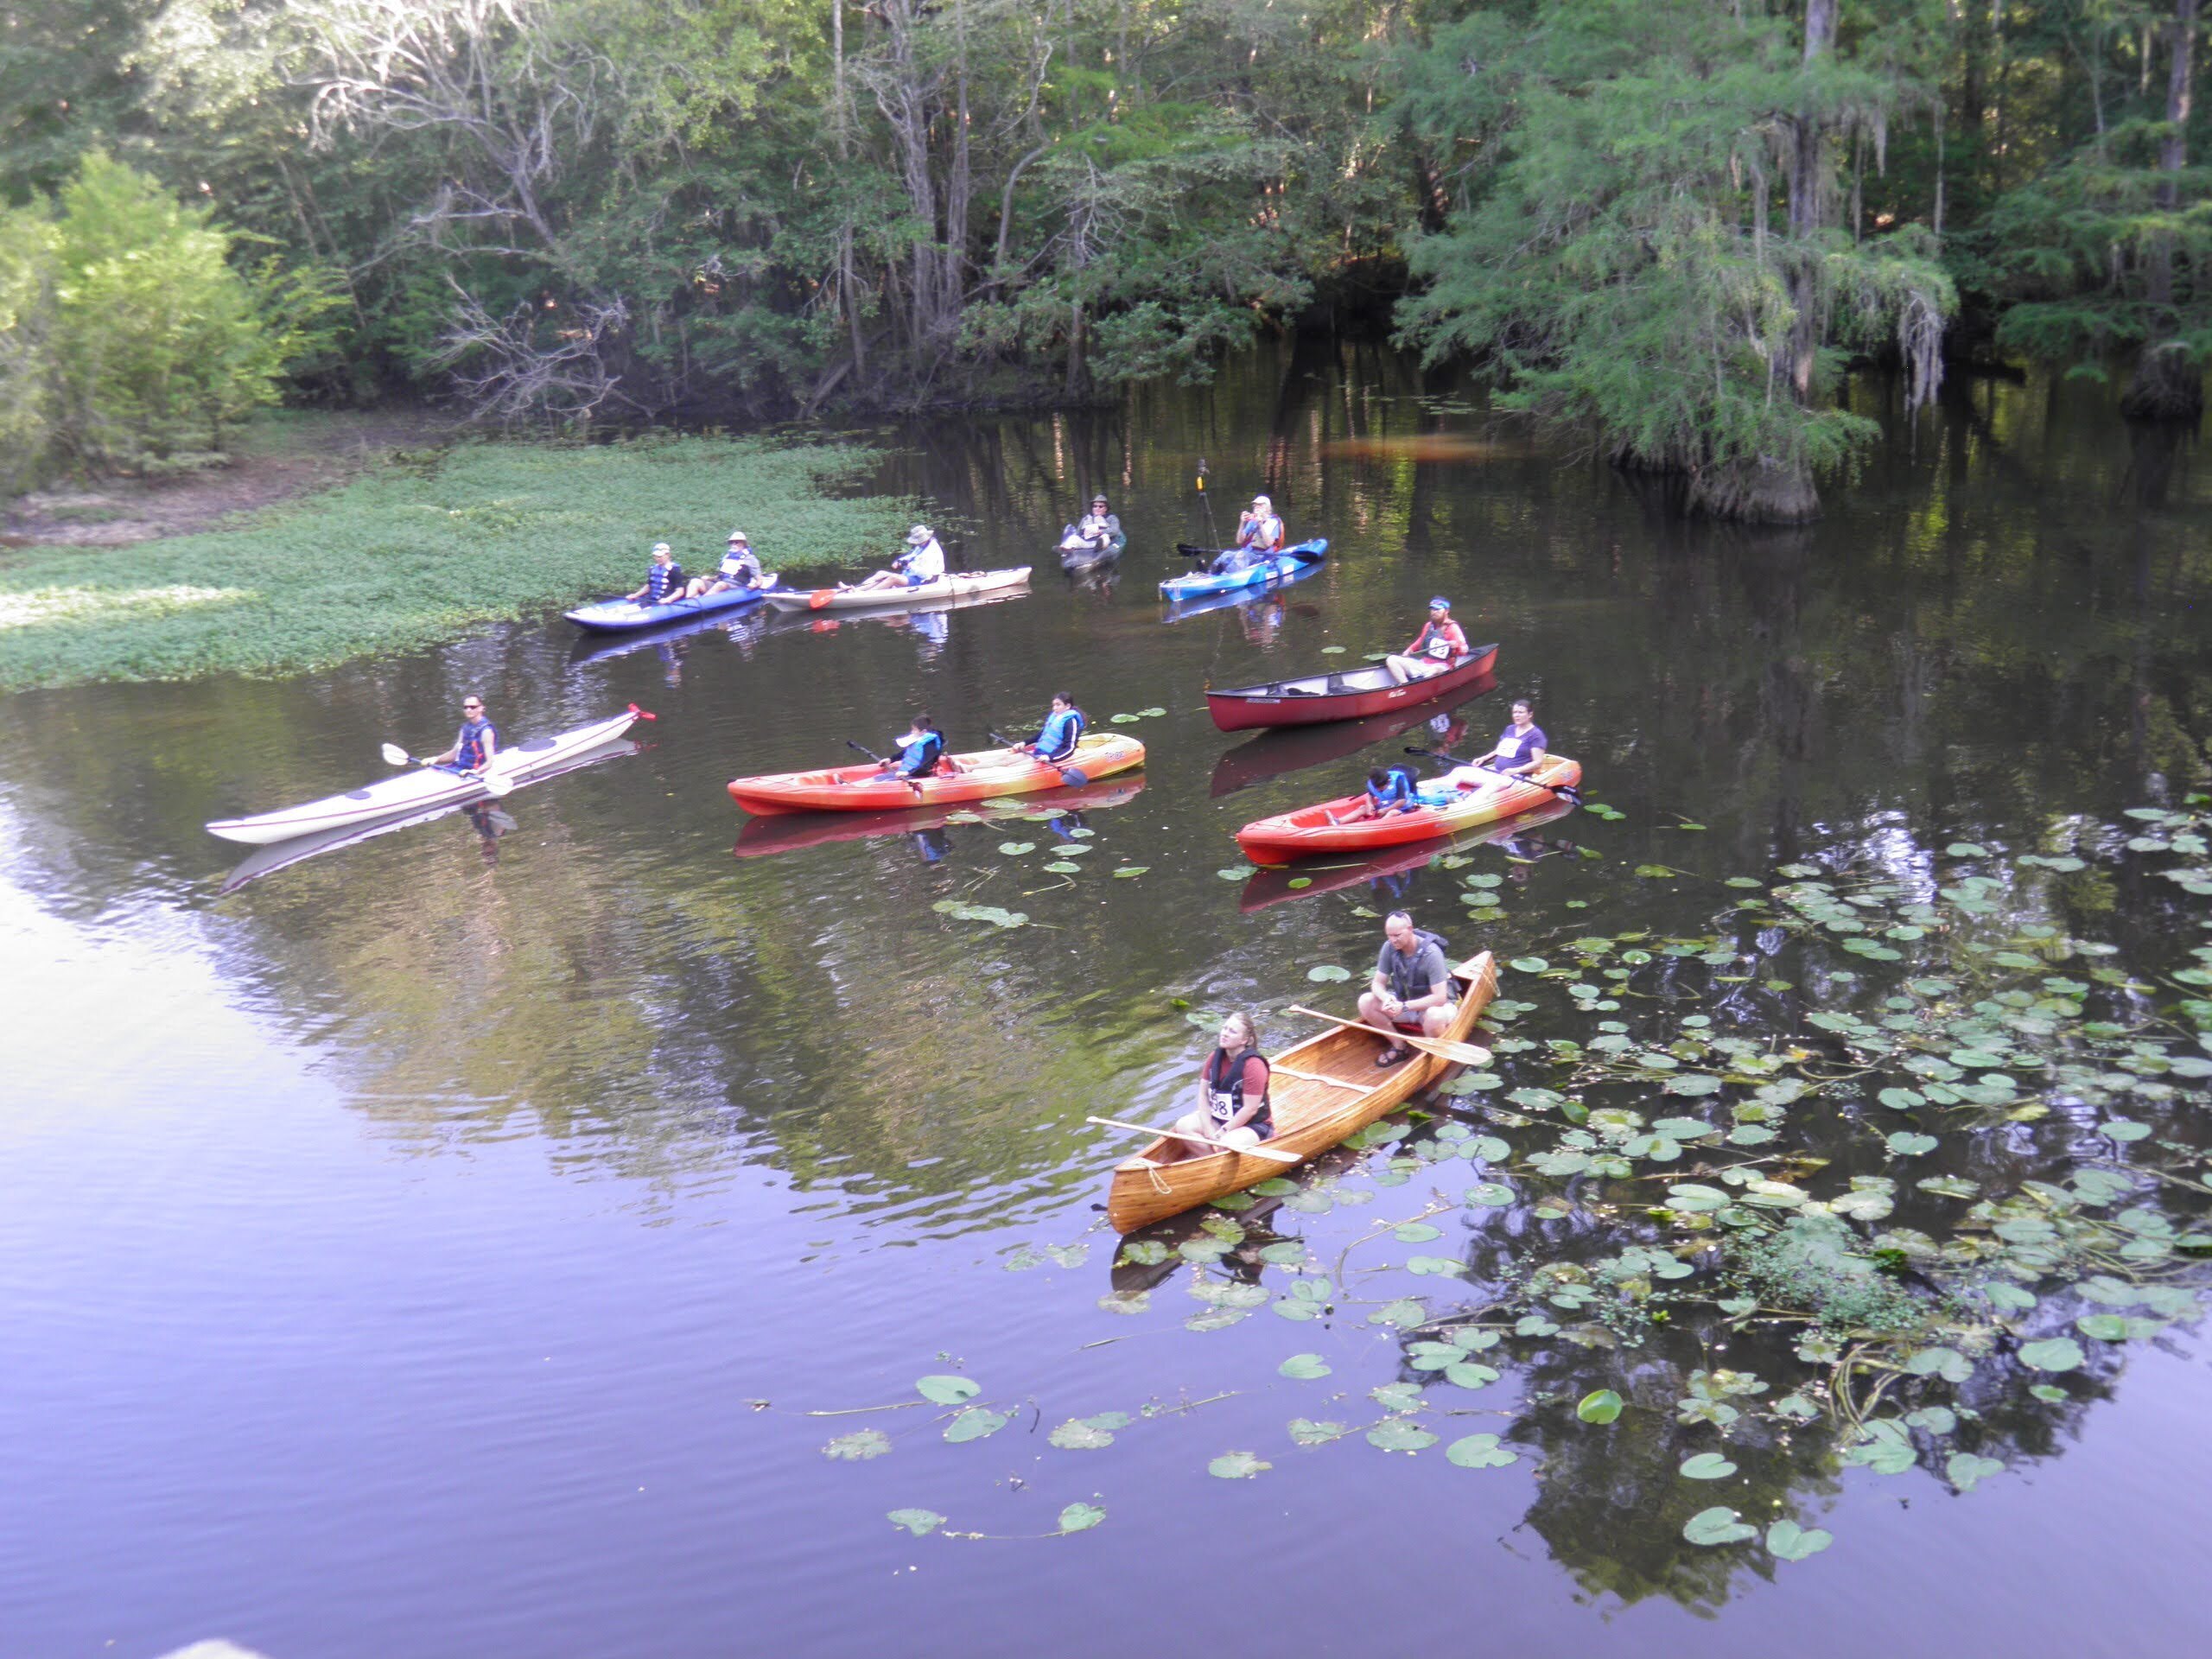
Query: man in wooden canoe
{"points": [[1438, 643], [1412, 989], [1233, 1108]]}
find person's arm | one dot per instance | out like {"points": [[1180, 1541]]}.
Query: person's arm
{"points": [[1381, 986], [491, 747]]}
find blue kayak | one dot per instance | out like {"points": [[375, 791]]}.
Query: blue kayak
{"points": [[619, 616], [1299, 559]]}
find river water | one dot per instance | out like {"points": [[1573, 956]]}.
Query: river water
{"points": [[446, 1244]]}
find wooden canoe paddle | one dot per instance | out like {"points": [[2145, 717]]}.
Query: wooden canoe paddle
{"points": [[1260, 1151], [1443, 1048]]}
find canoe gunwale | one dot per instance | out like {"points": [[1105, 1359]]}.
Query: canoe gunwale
{"points": [[1145, 1189]]}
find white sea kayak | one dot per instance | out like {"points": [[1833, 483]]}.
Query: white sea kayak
{"points": [[959, 584], [419, 789]]}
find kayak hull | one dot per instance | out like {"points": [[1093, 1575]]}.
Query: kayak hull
{"points": [[624, 616], [420, 788], [1328, 826], [787, 832], [1304, 557], [1273, 885], [1356, 694], [979, 776], [959, 584], [1281, 749]]}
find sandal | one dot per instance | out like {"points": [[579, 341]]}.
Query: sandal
{"points": [[1389, 1057]]}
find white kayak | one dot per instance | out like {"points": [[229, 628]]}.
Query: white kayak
{"points": [[958, 584], [419, 789]]}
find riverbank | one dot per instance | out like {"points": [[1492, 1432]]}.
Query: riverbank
{"points": [[419, 548]]}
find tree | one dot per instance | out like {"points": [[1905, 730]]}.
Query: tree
{"points": [[1616, 261]]}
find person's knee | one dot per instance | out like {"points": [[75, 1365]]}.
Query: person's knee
{"points": [[1240, 1139], [1369, 1007], [1436, 1022]]}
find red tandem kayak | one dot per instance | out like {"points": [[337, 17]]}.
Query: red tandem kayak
{"points": [[975, 776], [1331, 827]]}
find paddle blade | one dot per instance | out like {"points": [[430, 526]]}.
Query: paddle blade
{"points": [[1074, 776], [394, 755], [818, 598], [498, 784]]}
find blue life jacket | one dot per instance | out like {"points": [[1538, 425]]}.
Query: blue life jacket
{"points": [[918, 758], [1057, 739], [1403, 787], [468, 746], [660, 579], [1225, 1099]]}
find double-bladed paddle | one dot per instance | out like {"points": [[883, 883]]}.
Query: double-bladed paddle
{"points": [[495, 784], [1564, 792], [1073, 777]]}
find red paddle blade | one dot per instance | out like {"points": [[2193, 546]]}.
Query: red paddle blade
{"points": [[818, 598], [637, 713]]}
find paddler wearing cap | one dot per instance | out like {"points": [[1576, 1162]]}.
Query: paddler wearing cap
{"points": [[1259, 535], [922, 562], [740, 568], [1439, 642], [664, 579]]}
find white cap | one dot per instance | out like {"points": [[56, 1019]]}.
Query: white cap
{"points": [[660, 548], [918, 533], [1262, 501]]}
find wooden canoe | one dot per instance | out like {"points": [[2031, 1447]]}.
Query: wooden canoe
{"points": [[1351, 694], [1310, 1117]]}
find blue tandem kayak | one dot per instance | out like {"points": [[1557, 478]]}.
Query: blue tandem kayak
{"points": [[1302, 557], [619, 616]]}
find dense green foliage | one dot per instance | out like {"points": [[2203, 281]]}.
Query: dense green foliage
{"points": [[1665, 222], [127, 337], [412, 554]]}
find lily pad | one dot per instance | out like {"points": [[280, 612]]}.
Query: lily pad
{"points": [[1706, 1465], [1328, 974], [859, 1445], [1788, 1542], [976, 1423], [2053, 1354], [1238, 1465], [1717, 1525], [1400, 1434], [1480, 1451], [1304, 1368], [1602, 1406], [947, 1390], [1080, 1517], [920, 1523]]}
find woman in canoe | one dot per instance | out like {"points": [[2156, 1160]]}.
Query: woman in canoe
{"points": [[1519, 751], [476, 743], [1233, 1107], [1439, 642], [922, 563]]}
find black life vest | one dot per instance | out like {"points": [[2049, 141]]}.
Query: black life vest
{"points": [[1401, 967], [1224, 1102]]}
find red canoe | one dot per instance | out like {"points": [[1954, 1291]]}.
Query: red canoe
{"points": [[1352, 694], [1331, 827]]}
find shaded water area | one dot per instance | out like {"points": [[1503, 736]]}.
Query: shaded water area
{"points": [[449, 1243]]}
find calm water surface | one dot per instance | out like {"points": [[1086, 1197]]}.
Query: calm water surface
{"points": [[438, 1246]]}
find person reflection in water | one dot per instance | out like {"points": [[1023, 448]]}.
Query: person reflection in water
{"points": [[489, 822], [932, 845], [670, 653], [1263, 621]]}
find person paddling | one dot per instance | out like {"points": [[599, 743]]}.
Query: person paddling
{"points": [[1062, 730], [740, 568], [1096, 531], [922, 562], [474, 746], [1438, 643], [664, 579], [1520, 752], [916, 754], [1233, 1106], [1412, 990]]}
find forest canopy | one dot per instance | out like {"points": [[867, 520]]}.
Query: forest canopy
{"points": [[1667, 224]]}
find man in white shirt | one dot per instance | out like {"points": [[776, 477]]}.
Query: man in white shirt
{"points": [[922, 563]]}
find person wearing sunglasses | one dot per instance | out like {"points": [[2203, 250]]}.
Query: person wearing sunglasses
{"points": [[475, 744]]}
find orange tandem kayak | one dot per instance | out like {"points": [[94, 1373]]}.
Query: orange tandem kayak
{"points": [[1343, 825], [977, 777]]}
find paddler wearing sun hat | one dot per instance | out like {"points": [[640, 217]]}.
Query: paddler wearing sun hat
{"points": [[1439, 642]]}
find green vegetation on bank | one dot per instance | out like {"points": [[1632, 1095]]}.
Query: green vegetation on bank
{"points": [[412, 554]]}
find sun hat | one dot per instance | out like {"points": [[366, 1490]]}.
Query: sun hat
{"points": [[739, 535], [918, 533]]}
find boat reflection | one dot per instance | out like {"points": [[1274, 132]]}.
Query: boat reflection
{"points": [[490, 819], [785, 832], [744, 629], [1390, 873], [1294, 748], [1240, 1261]]}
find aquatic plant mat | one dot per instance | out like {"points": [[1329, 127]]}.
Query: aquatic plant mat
{"points": [[1886, 1174], [423, 551]]}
